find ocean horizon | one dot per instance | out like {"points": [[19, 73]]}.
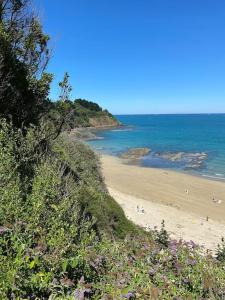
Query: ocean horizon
{"points": [[169, 114], [197, 139]]}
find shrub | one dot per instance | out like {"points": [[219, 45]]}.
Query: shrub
{"points": [[220, 253], [162, 236]]}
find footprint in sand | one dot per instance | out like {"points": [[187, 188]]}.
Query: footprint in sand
{"points": [[179, 226]]}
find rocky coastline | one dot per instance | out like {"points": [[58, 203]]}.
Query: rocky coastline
{"points": [[90, 133], [192, 160]]}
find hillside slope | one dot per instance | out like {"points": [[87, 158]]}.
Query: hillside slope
{"points": [[63, 237], [81, 113]]}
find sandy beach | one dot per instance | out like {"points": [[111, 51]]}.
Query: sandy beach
{"points": [[193, 207]]}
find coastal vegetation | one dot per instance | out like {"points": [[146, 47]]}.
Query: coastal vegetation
{"points": [[81, 113], [62, 236]]}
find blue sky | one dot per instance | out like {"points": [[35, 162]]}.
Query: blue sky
{"points": [[140, 56]]}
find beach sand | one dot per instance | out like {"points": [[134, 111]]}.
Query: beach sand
{"points": [[193, 207]]}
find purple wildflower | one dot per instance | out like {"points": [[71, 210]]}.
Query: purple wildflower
{"points": [[82, 280], [164, 278], [191, 262], [145, 246], [129, 295], [80, 294], [3, 230], [193, 244], [186, 281], [177, 267]]}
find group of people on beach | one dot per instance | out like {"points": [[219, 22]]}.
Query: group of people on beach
{"points": [[140, 209], [214, 200]]}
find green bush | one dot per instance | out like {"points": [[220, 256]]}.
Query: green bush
{"points": [[49, 216], [220, 253]]}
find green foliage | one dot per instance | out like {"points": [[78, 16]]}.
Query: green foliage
{"points": [[78, 113], [40, 218], [66, 88], [141, 269], [88, 105], [47, 219], [24, 54], [162, 236], [10, 192], [95, 202], [63, 237], [220, 254]]}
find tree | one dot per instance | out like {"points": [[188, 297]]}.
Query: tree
{"points": [[88, 104], [66, 88], [65, 105], [24, 55]]}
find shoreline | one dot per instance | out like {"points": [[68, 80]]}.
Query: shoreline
{"points": [[89, 133], [193, 207], [184, 172]]}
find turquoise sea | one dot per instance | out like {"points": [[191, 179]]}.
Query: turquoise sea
{"points": [[189, 134]]}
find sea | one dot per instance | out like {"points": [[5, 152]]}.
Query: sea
{"points": [[192, 135]]}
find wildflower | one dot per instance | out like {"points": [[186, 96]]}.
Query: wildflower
{"points": [[193, 244], [186, 281], [97, 263], [177, 267], [80, 294], [145, 246], [191, 262], [67, 282], [129, 295], [82, 280], [173, 246]]}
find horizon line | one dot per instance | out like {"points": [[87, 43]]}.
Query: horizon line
{"points": [[157, 114]]}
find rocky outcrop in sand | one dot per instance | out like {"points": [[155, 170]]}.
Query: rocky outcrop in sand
{"points": [[135, 153], [192, 160]]}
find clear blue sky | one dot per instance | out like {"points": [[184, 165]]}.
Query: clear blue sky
{"points": [[140, 56]]}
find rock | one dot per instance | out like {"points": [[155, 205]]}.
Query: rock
{"points": [[193, 160], [172, 156], [193, 166], [178, 156], [135, 153]]}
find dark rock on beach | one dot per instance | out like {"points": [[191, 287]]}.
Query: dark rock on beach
{"points": [[193, 160], [135, 153]]}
